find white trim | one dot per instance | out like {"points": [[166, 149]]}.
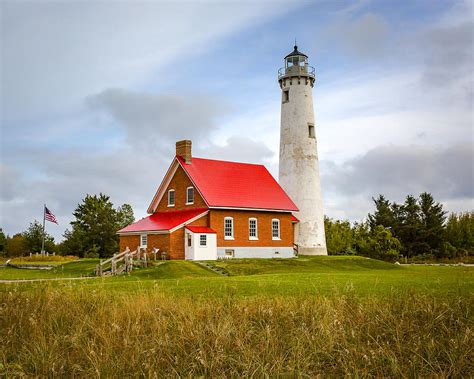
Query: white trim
{"points": [[170, 174], [174, 197], [231, 237], [279, 229], [141, 240], [255, 209], [253, 238], [165, 231], [192, 181], [165, 182], [187, 189], [189, 221], [143, 231]]}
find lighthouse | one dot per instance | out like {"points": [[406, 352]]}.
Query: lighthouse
{"points": [[299, 164]]}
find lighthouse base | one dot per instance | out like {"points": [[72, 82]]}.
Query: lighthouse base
{"points": [[312, 250]]}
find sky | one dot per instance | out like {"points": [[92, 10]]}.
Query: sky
{"points": [[94, 95]]}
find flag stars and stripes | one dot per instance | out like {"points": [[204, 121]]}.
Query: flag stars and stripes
{"points": [[48, 215]]}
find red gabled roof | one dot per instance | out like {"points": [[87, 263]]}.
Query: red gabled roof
{"points": [[200, 229], [163, 221], [237, 185]]}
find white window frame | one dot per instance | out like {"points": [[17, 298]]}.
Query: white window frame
{"points": [[174, 197], [255, 237], [189, 240], [231, 237], [279, 229], [201, 239], [141, 240], [187, 196]]}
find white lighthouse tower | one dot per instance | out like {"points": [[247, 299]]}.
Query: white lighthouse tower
{"points": [[299, 164]]}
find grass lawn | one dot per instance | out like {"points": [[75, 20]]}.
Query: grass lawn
{"points": [[258, 277], [334, 316], [83, 267]]}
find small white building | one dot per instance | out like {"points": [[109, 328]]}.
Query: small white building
{"points": [[201, 243]]}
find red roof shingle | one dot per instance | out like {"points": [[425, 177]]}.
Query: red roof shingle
{"points": [[200, 229], [237, 185], [163, 221]]}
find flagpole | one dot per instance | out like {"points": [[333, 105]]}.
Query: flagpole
{"points": [[44, 218]]}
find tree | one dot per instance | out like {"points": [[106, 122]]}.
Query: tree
{"points": [[95, 227], [382, 245], [125, 215], [3, 241], [409, 231], [432, 218], [460, 231], [16, 245], [339, 236], [383, 214], [72, 244], [33, 239]]}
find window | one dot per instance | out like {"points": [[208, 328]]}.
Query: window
{"points": [[286, 95], [229, 253], [203, 240], [275, 229], [228, 228], [311, 131], [190, 239], [143, 240], [171, 198], [190, 195], [253, 232]]}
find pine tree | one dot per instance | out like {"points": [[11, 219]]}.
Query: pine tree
{"points": [[383, 214], [410, 229], [432, 218]]}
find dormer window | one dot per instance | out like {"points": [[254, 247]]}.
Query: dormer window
{"points": [[189, 195], [171, 198]]}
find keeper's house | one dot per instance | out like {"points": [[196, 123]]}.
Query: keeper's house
{"points": [[205, 209]]}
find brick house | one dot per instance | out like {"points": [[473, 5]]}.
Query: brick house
{"points": [[205, 209]]}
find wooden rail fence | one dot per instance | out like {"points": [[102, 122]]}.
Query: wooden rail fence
{"points": [[124, 261]]}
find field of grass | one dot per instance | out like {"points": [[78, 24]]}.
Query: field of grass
{"points": [[321, 315], [83, 267]]}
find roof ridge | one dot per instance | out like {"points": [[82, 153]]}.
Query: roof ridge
{"points": [[220, 160]]}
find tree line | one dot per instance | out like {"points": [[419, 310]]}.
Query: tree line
{"points": [[416, 229], [93, 232]]}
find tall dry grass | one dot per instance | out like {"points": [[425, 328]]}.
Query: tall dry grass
{"points": [[56, 333]]}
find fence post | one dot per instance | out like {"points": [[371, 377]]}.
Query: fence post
{"points": [[99, 268]]}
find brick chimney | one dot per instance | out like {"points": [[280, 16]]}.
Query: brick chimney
{"points": [[184, 150]]}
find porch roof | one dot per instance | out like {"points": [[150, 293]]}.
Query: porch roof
{"points": [[200, 229], [164, 221]]}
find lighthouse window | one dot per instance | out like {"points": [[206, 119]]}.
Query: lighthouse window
{"points": [[286, 95], [311, 132]]}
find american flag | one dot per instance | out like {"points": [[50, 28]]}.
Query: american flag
{"points": [[48, 215]]}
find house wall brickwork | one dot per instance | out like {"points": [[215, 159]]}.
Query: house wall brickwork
{"points": [[241, 228], [180, 182], [172, 243], [176, 249]]}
